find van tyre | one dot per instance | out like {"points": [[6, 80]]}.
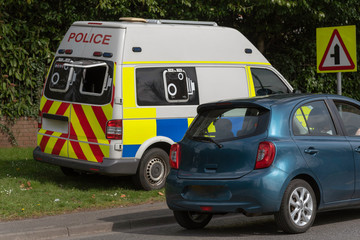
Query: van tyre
{"points": [[153, 170], [192, 220], [298, 208]]}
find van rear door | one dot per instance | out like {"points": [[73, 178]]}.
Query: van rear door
{"points": [[81, 81]]}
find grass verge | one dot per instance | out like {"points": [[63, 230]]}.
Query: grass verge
{"points": [[31, 189]]}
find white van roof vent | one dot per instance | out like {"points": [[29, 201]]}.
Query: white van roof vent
{"points": [[165, 21]]}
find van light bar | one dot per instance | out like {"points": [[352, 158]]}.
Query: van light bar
{"points": [[97, 54], [136, 49], [68, 51], [248, 50], [61, 51], [107, 54], [94, 23]]}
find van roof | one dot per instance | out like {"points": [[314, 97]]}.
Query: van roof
{"points": [[177, 42]]}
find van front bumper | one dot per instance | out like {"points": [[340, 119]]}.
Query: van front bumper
{"points": [[114, 167]]}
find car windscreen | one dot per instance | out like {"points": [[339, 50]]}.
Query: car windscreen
{"points": [[228, 123], [80, 80]]}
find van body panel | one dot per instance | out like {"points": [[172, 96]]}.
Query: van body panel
{"points": [[150, 78]]}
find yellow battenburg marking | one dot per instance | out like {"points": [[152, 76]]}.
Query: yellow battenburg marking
{"points": [[129, 87], [64, 150], [196, 62], [108, 111], [39, 138], [114, 75], [54, 107], [105, 150], [88, 152], [71, 151], [50, 145], [77, 126], [250, 82], [42, 102], [190, 121], [43, 131], [139, 112], [95, 125], [138, 131]]}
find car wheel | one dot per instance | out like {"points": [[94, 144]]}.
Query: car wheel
{"points": [[69, 172], [153, 170], [192, 220], [298, 208]]}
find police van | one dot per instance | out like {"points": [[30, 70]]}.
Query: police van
{"points": [[119, 94]]}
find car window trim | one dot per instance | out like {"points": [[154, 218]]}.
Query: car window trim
{"points": [[330, 107], [338, 117]]}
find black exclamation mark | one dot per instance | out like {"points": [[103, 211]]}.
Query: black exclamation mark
{"points": [[336, 54]]}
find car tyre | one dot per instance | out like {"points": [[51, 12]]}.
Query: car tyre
{"points": [[192, 220], [298, 208], [153, 170]]}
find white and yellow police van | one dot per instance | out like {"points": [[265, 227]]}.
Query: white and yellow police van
{"points": [[119, 94]]}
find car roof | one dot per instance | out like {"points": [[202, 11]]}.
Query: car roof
{"points": [[270, 100]]}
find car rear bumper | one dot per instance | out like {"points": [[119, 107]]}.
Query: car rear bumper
{"points": [[116, 167], [258, 193]]}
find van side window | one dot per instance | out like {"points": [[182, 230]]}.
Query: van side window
{"points": [[267, 82], [166, 86]]}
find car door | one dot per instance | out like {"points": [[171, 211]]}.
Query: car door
{"points": [[327, 153], [349, 113]]}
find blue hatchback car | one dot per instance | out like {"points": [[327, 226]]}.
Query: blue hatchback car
{"points": [[288, 155]]}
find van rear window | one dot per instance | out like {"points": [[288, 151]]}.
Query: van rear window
{"points": [[80, 80], [229, 123]]}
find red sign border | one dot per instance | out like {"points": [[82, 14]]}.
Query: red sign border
{"points": [[352, 65]]}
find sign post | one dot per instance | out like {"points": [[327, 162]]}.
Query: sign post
{"points": [[336, 51]]}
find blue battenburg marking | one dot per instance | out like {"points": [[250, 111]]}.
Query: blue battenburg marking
{"points": [[130, 150], [172, 128]]}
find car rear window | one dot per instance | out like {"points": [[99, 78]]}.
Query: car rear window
{"points": [[229, 123]]}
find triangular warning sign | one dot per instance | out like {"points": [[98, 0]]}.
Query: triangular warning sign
{"points": [[336, 56]]}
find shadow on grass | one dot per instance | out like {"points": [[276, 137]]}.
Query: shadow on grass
{"points": [[31, 170]]}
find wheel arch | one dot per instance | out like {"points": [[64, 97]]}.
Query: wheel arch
{"points": [[314, 185], [157, 142]]}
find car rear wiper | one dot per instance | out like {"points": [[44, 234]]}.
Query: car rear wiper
{"points": [[208, 139]]}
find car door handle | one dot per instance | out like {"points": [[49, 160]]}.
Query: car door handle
{"points": [[357, 149], [311, 151]]}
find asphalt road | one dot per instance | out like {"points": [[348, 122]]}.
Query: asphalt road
{"points": [[344, 224]]}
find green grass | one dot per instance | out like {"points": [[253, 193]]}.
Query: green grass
{"points": [[32, 189]]}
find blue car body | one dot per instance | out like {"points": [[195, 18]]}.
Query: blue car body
{"points": [[222, 178]]}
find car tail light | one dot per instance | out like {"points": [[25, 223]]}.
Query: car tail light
{"points": [[174, 156], [40, 120], [265, 155], [114, 129]]}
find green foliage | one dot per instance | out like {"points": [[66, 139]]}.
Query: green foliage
{"points": [[284, 30]]}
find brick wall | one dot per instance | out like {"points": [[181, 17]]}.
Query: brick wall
{"points": [[24, 130]]}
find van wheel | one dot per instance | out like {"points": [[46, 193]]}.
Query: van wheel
{"points": [[192, 220], [298, 208], [69, 172], [153, 170]]}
